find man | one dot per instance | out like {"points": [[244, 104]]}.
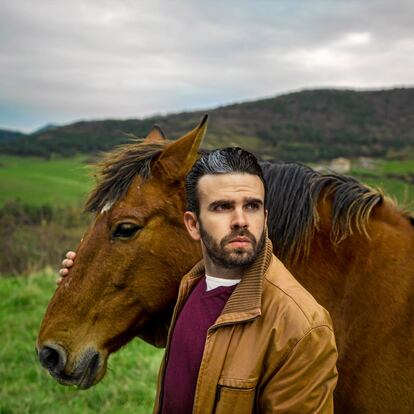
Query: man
{"points": [[245, 335]]}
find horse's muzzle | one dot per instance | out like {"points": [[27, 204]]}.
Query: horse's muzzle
{"points": [[54, 358]]}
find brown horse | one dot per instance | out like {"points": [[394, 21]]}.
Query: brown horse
{"points": [[346, 243]]}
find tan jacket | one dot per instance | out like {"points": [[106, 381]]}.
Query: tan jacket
{"points": [[272, 349]]}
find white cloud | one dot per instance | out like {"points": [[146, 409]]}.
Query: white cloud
{"points": [[320, 58], [355, 39]]}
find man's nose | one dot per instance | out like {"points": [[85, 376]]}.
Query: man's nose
{"points": [[239, 219]]}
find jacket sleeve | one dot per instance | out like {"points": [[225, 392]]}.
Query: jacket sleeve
{"points": [[306, 380]]}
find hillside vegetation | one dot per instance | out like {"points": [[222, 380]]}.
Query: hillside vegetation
{"points": [[9, 135], [303, 126]]}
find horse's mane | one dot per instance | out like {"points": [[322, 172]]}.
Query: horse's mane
{"points": [[293, 193], [118, 168]]}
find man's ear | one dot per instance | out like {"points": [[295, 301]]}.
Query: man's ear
{"points": [[177, 159], [191, 223]]}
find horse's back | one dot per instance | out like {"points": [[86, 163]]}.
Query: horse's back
{"points": [[367, 284]]}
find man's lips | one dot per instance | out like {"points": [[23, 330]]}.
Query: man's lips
{"points": [[240, 241]]}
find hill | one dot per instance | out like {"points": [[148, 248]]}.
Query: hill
{"points": [[303, 126], [10, 135]]}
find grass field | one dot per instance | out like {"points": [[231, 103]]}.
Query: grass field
{"points": [[383, 175], [37, 181], [25, 387]]}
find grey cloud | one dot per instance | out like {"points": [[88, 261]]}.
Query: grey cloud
{"points": [[90, 58]]}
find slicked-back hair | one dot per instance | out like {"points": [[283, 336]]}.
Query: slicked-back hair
{"points": [[220, 161]]}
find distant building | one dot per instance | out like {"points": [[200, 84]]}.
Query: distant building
{"points": [[340, 165], [320, 168], [366, 162]]}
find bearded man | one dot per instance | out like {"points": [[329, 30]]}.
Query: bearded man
{"points": [[245, 336]]}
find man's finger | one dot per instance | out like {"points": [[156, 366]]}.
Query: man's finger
{"points": [[59, 281], [70, 255], [67, 263], [63, 272]]}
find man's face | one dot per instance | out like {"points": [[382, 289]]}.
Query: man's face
{"points": [[232, 218]]}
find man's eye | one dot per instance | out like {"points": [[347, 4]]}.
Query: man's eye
{"points": [[221, 207], [125, 230], [253, 206]]}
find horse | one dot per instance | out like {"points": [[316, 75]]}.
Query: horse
{"points": [[346, 243]]}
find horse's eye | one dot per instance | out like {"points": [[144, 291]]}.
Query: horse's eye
{"points": [[125, 230]]}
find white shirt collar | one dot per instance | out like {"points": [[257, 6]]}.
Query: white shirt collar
{"points": [[215, 282]]}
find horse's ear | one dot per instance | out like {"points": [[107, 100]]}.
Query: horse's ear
{"points": [[155, 135], [178, 157]]}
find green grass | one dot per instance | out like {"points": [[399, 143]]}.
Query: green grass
{"points": [[383, 176], [25, 387], [402, 192], [396, 167], [37, 181], [382, 167]]}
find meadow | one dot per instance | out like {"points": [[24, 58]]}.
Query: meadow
{"points": [[395, 178], [25, 387], [36, 181]]}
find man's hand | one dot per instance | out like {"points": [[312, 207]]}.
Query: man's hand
{"points": [[67, 264]]}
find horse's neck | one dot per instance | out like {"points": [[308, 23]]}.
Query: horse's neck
{"points": [[324, 270], [360, 265]]}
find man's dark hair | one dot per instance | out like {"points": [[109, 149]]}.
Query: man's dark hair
{"points": [[219, 161]]}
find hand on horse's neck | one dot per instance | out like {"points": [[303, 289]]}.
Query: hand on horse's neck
{"points": [[215, 270]]}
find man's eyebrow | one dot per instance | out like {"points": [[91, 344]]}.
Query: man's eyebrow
{"points": [[253, 200], [220, 202], [231, 202]]}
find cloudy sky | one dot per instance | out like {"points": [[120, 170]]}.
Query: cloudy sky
{"points": [[62, 61]]}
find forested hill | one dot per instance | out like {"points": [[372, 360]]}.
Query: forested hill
{"points": [[302, 126], [9, 135]]}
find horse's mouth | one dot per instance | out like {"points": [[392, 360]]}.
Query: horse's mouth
{"points": [[89, 376]]}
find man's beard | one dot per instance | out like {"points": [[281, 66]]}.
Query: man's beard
{"points": [[236, 257]]}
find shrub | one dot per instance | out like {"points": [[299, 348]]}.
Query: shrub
{"points": [[35, 237]]}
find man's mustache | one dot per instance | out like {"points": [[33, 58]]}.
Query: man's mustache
{"points": [[239, 233]]}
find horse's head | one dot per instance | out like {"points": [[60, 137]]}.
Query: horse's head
{"points": [[129, 263]]}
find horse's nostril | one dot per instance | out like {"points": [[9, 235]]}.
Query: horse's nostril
{"points": [[49, 357], [52, 358]]}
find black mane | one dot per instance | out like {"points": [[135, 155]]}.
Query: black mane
{"points": [[293, 193]]}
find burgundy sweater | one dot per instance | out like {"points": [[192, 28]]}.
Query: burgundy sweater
{"points": [[199, 312]]}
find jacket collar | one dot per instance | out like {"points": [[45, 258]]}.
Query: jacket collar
{"points": [[245, 301]]}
